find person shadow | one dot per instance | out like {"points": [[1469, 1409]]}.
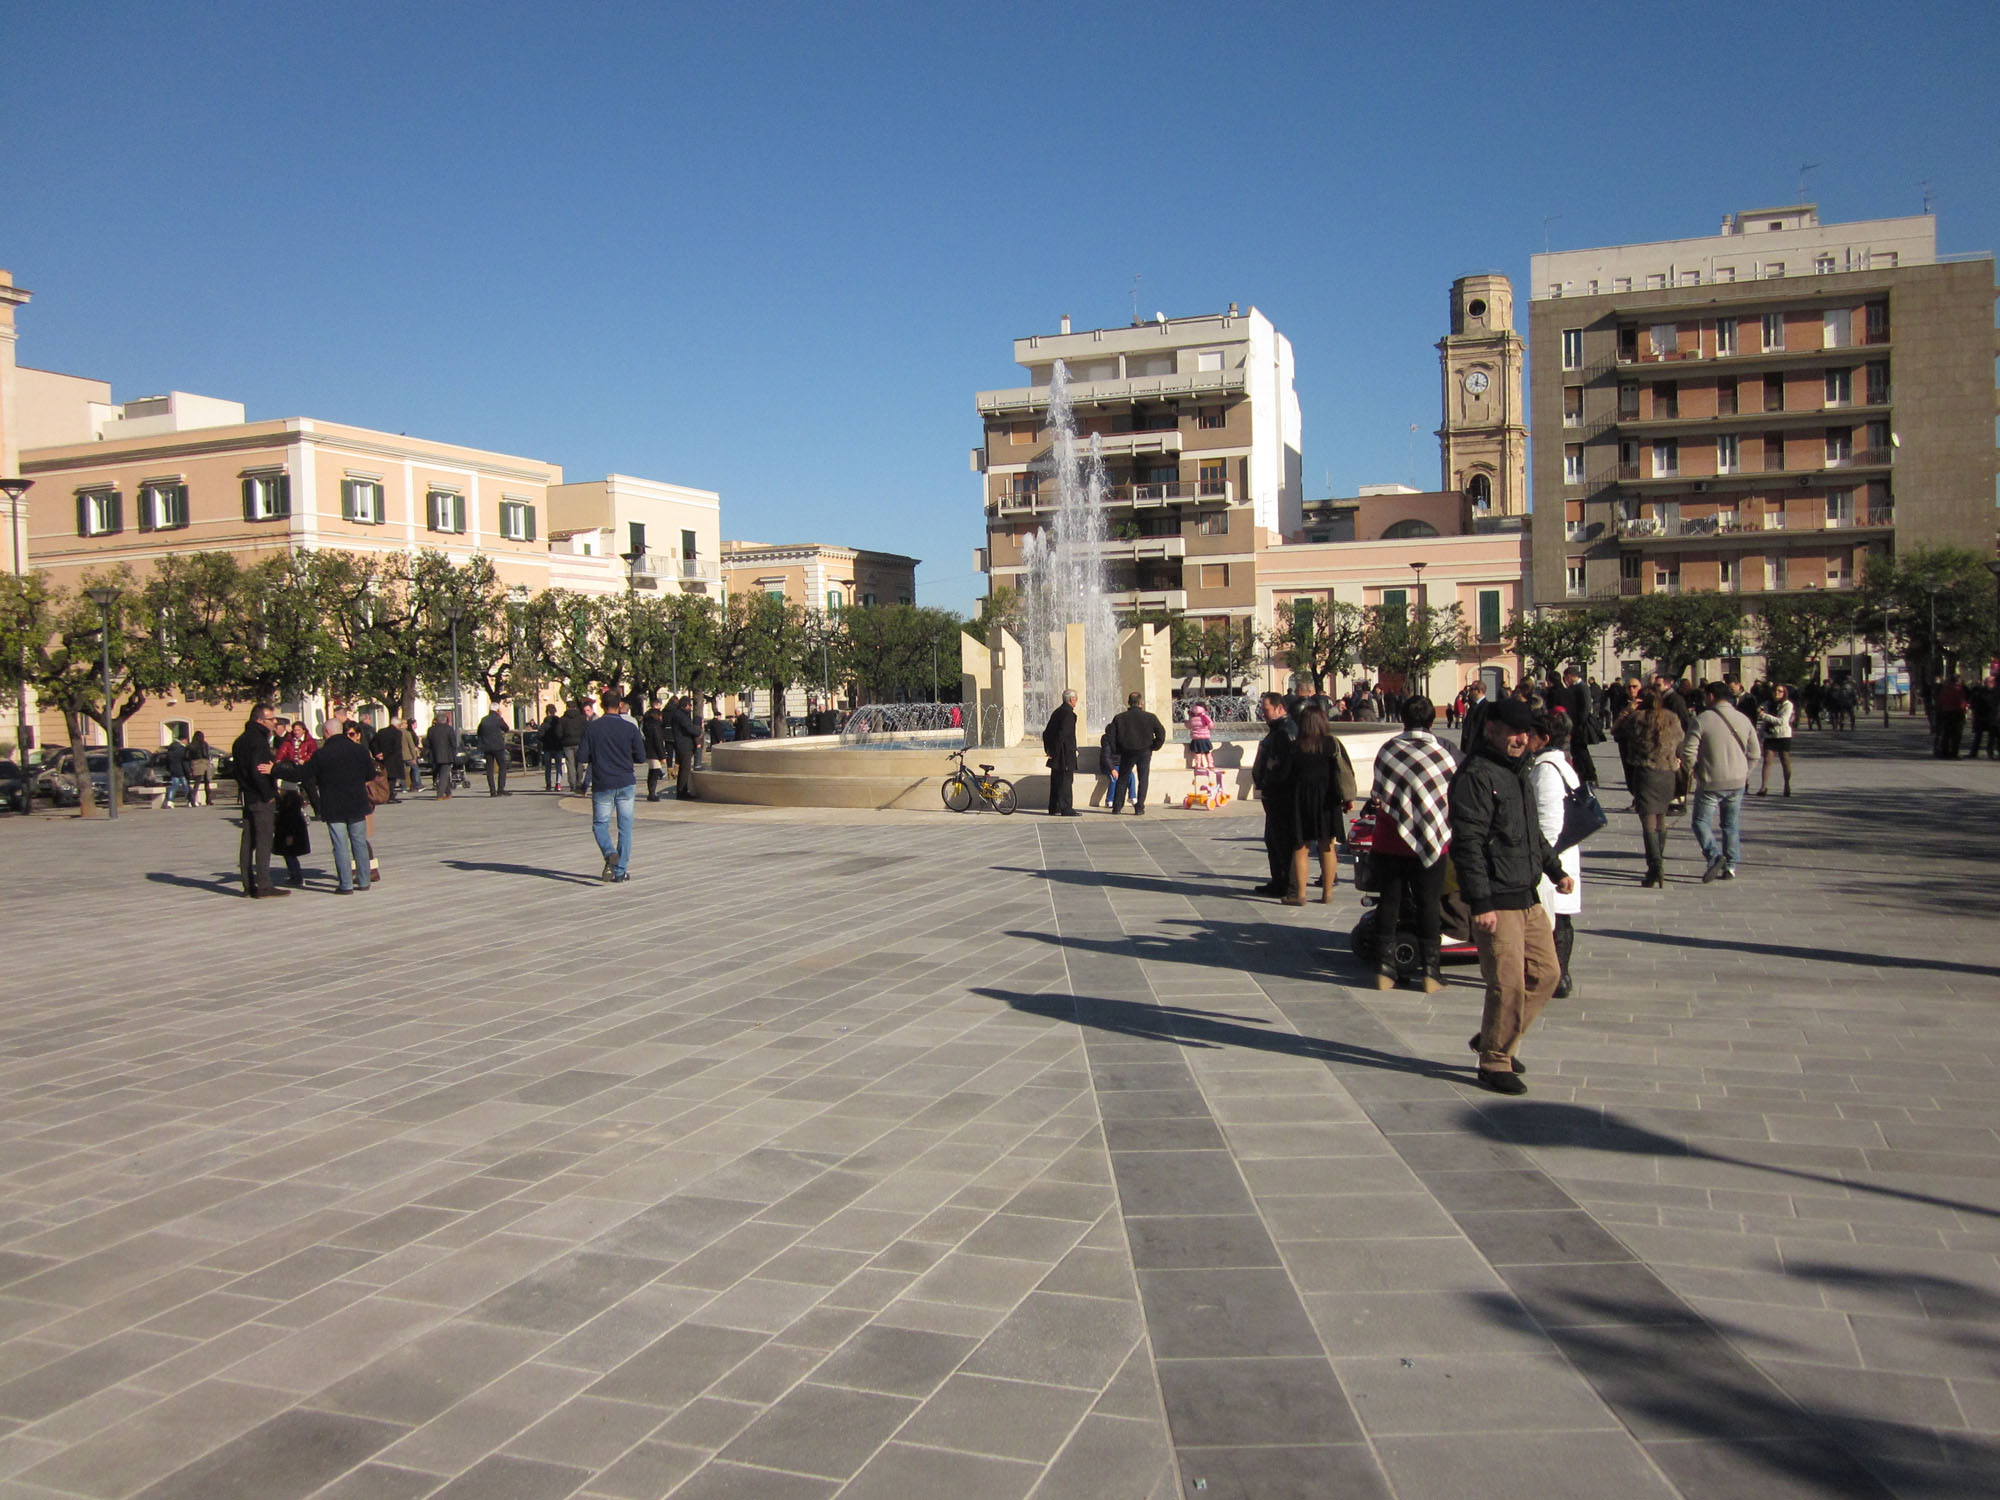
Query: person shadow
{"points": [[497, 867]]}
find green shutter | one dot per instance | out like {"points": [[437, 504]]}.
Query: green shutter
{"points": [[116, 508], [528, 511], [249, 498], [149, 507], [458, 514], [349, 506], [282, 501], [82, 514], [1489, 614]]}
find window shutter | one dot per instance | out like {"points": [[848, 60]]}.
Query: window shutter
{"points": [[282, 499], [115, 509], [249, 499], [458, 514], [83, 515], [350, 500], [149, 508], [528, 516]]}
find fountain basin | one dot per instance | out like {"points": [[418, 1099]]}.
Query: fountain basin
{"points": [[820, 771]]}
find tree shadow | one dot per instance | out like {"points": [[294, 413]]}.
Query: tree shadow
{"points": [[1803, 955], [1184, 1026], [495, 867], [1541, 1122]]}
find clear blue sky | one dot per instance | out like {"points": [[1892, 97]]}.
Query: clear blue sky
{"points": [[772, 250]]}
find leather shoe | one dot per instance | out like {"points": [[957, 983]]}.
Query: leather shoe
{"points": [[1473, 1043], [1501, 1083], [272, 890]]}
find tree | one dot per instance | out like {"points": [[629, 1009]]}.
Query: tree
{"points": [[1795, 631], [768, 633], [564, 633], [262, 631], [1228, 650], [1411, 639], [1550, 639], [1680, 631], [1002, 607], [1319, 637], [1899, 599], [890, 650]]}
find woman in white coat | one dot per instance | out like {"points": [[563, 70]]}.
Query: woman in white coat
{"points": [[1553, 779]]}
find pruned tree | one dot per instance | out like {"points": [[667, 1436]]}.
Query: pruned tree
{"points": [[1319, 637], [1229, 650], [1410, 639], [1550, 639], [1796, 631], [1680, 631]]}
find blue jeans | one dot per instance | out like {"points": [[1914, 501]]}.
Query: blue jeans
{"points": [[1729, 848], [180, 784], [350, 854], [602, 802], [1130, 783]]}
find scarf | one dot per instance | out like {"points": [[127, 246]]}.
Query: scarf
{"points": [[1413, 784]]}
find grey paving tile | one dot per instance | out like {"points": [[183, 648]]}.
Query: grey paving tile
{"points": [[648, 1471], [727, 1481], [1224, 1314], [291, 1455], [1179, 1182], [820, 1430], [1562, 1466], [1456, 1394], [567, 1292], [678, 1366], [900, 1361], [1255, 1402], [415, 1381], [1005, 1418], [1283, 1473], [901, 1470], [1201, 1240], [1059, 1340]]}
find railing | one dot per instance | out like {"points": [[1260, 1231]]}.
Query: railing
{"points": [[1171, 490], [1630, 588], [699, 569], [1647, 527]]}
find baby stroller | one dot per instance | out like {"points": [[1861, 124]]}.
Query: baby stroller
{"points": [[1455, 945]]}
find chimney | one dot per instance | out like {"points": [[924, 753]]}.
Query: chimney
{"points": [[1232, 309], [1065, 322]]}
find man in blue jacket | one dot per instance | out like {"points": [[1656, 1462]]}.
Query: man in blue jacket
{"points": [[614, 749]]}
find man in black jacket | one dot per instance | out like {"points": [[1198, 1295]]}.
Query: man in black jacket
{"points": [[1499, 852], [253, 760], [1137, 734], [686, 735], [1271, 774], [388, 748], [653, 729], [1472, 726], [1059, 745], [343, 768], [493, 740], [552, 748], [573, 721], [441, 750]]}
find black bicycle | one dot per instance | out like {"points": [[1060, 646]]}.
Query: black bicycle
{"points": [[962, 788]]}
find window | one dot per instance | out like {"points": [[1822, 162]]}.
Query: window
{"points": [[1215, 575], [1213, 476], [834, 597], [1690, 278], [1628, 400], [1666, 399], [1774, 393], [1480, 492], [1838, 571], [1774, 330], [870, 600], [1823, 265], [99, 512], [1839, 508], [1839, 387], [1878, 385], [1878, 322], [445, 511], [1572, 348], [1573, 580], [688, 547], [1666, 458], [1725, 398], [163, 505], [1628, 565], [1728, 457], [361, 500], [1573, 463], [1207, 360], [1211, 418], [1397, 531], [1878, 442], [1723, 273], [1572, 406], [1395, 603], [1021, 435], [1666, 579], [267, 497], [1839, 327], [1215, 523], [1839, 446], [1726, 575], [635, 536], [1725, 336], [1774, 268], [1489, 615], [517, 520], [1774, 574], [1663, 339]]}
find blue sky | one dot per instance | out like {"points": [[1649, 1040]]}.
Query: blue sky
{"points": [[772, 250]]}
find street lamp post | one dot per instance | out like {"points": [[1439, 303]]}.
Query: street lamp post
{"points": [[934, 676], [1416, 614], [1994, 569], [455, 613], [674, 646], [1933, 659], [16, 490], [104, 596]]}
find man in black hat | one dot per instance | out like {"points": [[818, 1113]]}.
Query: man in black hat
{"points": [[1500, 854]]}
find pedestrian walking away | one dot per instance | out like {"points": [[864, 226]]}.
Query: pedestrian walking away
{"points": [[1059, 745], [1412, 794], [413, 756], [343, 768], [1136, 734], [614, 749], [1500, 855], [388, 748], [441, 750], [201, 771], [685, 736], [1649, 742], [1718, 756], [493, 742], [253, 759], [1776, 721], [1271, 775], [1554, 777], [653, 730], [573, 723], [177, 772], [1952, 704]]}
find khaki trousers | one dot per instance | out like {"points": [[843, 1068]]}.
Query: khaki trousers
{"points": [[1519, 964]]}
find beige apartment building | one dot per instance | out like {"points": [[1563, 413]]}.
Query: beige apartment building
{"points": [[1759, 410], [819, 576], [1198, 423], [664, 537]]}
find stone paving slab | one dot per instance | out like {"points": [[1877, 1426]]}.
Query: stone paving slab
{"points": [[910, 1155]]}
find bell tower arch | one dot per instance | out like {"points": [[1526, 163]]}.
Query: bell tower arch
{"points": [[1483, 444]]}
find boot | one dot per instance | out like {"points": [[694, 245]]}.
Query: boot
{"points": [[1296, 895], [1655, 859], [1433, 975], [1385, 975]]}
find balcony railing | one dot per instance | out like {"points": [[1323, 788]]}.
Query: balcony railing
{"points": [[1171, 492], [698, 570], [1645, 528]]}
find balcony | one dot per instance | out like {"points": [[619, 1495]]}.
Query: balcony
{"points": [[1143, 549], [698, 570], [1743, 527], [1862, 458], [1173, 492], [1172, 600], [1101, 392], [1127, 444]]}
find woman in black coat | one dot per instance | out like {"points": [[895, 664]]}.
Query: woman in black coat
{"points": [[1322, 790]]}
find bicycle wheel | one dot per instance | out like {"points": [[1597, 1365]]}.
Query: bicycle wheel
{"points": [[957, 795], [1003, 797]]}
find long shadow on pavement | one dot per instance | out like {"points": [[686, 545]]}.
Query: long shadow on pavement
{"points": [[1804, 955], [494, 867]]}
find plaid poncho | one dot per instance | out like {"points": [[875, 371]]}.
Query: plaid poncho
{"points": [[1413, 784]]}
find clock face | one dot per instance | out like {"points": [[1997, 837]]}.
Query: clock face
{"points": [[1475, 383]]}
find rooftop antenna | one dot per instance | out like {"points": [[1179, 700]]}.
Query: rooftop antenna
{"points": [[1805, 167], [1136, 279], [1926, 185], [1547, 220], [1413, 455]]}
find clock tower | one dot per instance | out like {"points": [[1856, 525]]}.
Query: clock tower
{"points": [[1484, 440]]}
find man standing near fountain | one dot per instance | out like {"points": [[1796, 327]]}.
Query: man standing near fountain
{"points": [[1137, 734], [1271, 774], [1059, 744]]}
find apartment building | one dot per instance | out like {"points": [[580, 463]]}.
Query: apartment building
{"points": [[1760, 410], [667, 537], [1198, 423], [818, 575]]}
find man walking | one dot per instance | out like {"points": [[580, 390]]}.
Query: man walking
{"points": [[1137, 734], [1271, 775], [552, 749], [653, 730], [253, 760], [1952, 703], [413, 755], [614, 749], [441, 749], [685, 735], [493, 741], [177, 771], [1499, 853], [388, 748], [1718, 755], [1059, 745], [1472, 721], [573, 723], [343, 768], [1576, 700]]}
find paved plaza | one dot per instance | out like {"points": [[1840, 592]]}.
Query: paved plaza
{"points": [[906, 1155]]}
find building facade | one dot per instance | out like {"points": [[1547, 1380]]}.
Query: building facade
{"points": [[1760, 410], [1483, 440], [1198, 423], [819, 576], [666, 537]]}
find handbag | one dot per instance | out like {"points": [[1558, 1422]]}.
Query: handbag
{"points": [[1583, 815], [378, 789]]}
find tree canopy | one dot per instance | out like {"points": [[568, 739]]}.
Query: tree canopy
{"points": [[1679, 631]]}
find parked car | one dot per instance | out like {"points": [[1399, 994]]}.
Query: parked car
{"points": [[13, 787], [58, 783]]}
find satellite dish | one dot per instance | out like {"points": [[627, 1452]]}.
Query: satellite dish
{"points": [[1160, 318]]}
